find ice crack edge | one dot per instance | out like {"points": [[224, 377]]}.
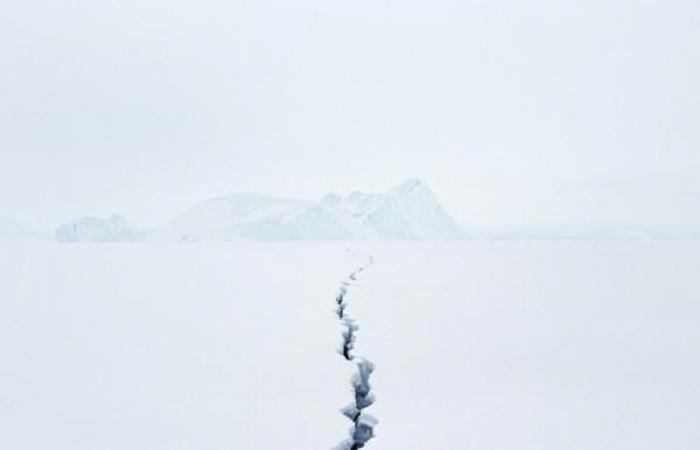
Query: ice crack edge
{"points": [[363, 426]]}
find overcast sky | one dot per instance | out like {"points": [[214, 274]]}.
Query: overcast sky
{"points": [[514, 112]]}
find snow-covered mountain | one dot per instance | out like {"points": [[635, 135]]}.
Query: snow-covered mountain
{"points": [[256, 217], [90, 229], [409, 211]]}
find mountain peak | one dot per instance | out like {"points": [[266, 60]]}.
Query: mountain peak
{"points": [[118, 218], [331, 199], [407, 186]]}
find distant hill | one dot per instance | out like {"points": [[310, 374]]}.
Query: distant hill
{"points": [[94, 229], [409, 211], [12, 228]]}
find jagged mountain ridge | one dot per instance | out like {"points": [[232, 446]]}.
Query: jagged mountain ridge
{"points": [[409, 211]]}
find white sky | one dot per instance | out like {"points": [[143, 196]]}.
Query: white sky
{"points": [[514, 112]]}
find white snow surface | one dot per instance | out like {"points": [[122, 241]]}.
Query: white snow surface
{"points": [[409, 211], [89, 229], [517, 345]]}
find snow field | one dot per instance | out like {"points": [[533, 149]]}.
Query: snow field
{"points": [[478, 345]]}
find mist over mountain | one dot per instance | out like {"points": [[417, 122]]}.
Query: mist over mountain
{"points": [[409, 211], [11, 228], [94, 229]]}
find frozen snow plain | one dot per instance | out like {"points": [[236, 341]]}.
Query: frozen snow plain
{"points": [[511, 345]]}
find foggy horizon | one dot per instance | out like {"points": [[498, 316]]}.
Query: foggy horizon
{"points": [[514, 114]]}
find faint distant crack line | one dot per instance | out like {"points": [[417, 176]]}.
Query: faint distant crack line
{"points": [[363, 424]]}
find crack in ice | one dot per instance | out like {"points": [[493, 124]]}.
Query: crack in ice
{"points": [[363, 424]]}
